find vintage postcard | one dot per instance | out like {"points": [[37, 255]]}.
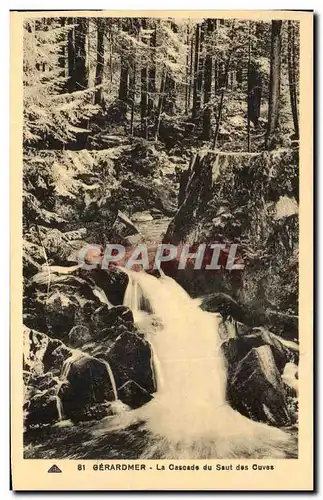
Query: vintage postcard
{"points": [[161, 252]]}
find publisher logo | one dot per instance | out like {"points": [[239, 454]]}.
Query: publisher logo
{"points": [[54, 469]]}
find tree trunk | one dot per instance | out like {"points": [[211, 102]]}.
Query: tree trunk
{"points": [[160, 103], [62, 56], [191, 73], [169, 101], [71, 55], [170, 86], [254, 94], [187, 70], [152, 74], [111, 56], [216, 62], [123, 85], [249, 87], [132, 93], [132, 79], [292, 76], [254, 87], [196, 59], [124, 71], [80, 70], [98, 99], [207, 88], [144, 89], [274, 85], [218, 120], [200, 69], [222, 80]]}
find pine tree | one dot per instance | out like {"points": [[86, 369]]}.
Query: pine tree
{"points": [[100, 61], [274, 86], [292, 75], [124, 70], [78, 73], [196, 65], [51, 118], [152, 70], [207, 86]]}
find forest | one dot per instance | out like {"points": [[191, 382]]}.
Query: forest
{"points": [[157, 130], [149, 93]]}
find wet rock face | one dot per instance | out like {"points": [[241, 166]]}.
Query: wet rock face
{"points": [[43, 354], [83, 383], [238, 348], [133, 395], [78, 336], [256, 365], [127, 352], [130, 359], [105, 318], [41, 409], [43, 360], [87, 384], [112, 281], [255, 387], [54, 356], [60, 310], [275, 323], [224, 305]]}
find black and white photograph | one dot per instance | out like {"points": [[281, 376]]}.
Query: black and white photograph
{"points": [[160, 235]]}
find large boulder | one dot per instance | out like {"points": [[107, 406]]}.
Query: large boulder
{"points": [[130, 359], [35, 345], [133, 395], [78, 336], [255, 387], [71, 300], [55, 355], [112, 281], [129, 356], [87, 383], [43, 359], [106, 318], [43, 354], [283, 324], [223, 304], [41, 409], [123, 226], [60, 310], [283, 351]]}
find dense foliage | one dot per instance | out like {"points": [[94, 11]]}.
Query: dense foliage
{"points": [[114, 108]]}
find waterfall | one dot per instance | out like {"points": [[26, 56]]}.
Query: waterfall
{"points": [[111, 378], [189, 416], [190, 370], [76, 354], [60, 409]]}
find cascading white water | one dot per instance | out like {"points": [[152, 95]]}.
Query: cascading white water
{"points": [[189, 416], [60, 409], [191, 370], [111, 378]]}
